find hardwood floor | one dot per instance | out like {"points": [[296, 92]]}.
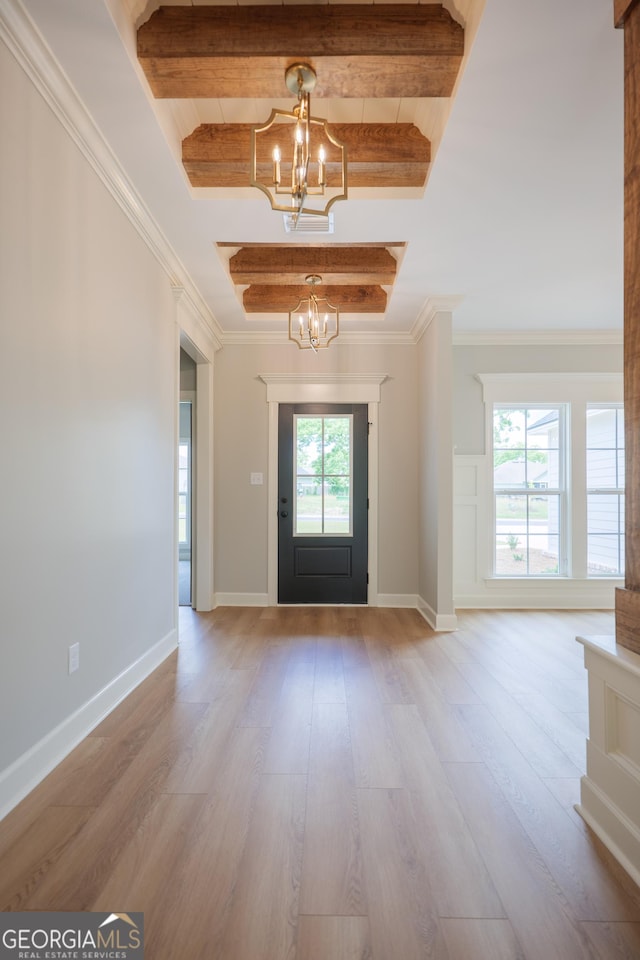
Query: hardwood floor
{"points": [[338, 784]]}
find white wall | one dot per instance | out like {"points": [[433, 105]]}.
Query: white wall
{"points": [[88, 402], [241, 448]]}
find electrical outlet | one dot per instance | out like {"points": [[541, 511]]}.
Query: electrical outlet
{"points": [[74, 657]]}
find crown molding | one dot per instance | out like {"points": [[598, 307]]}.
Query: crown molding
{"points": [[431, 308], [188, 313], [34, 56], [537, 338], [279, 337], [384, 337], [483, 338]]}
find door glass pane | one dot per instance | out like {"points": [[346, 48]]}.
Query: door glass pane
{"points": [[322, 465], [337, 508], [309, 505]]}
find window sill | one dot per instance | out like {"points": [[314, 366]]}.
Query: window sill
{"points": [[559, 578]]}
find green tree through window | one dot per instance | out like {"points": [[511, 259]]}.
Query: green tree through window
{"points": [[323, 474]]}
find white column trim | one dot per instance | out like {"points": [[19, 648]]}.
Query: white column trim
{"points": [[203, 542], [272, 501], [372, 592], [197, 341]]}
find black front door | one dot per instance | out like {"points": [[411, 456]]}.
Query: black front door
{"points": [[322, 503]]}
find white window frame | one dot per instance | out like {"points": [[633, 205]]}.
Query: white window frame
{"points": [[618, 491], [577, 391], [560, 491]]}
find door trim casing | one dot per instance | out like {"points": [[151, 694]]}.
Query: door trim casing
{"points": [[322, 388]]}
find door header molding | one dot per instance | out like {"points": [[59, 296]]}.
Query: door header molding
{"points": [[323, 387]]}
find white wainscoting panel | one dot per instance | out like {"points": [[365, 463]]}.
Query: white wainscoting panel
{"points": [[473, 585], [610, 791], [470, 552]]}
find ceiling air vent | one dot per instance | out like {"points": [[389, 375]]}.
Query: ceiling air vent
{"points": [[308, 223]]}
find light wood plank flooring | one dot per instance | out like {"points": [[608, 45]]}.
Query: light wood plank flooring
{"points": [[338, 784]]}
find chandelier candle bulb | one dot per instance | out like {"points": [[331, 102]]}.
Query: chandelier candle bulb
{"points": [[321, 172], [297, 158], [308, 192], [315, 329]]}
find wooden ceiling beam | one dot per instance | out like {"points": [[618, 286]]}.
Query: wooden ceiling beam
{"points": [[370, 50], [281, 298], [290, 264], [378, 154], [621, 10]]}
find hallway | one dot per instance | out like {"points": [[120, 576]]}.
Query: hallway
{"points": [[338, 784]]}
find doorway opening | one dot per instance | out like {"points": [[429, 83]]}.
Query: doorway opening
{"points": [[330, 388], [323, 503], [185, 502]]}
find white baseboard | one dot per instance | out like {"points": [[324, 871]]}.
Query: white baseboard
{"points": [[25, 773], [241, 600], [397, 600], [497, 594], [445, 622], [437, 621], [530, 602]]}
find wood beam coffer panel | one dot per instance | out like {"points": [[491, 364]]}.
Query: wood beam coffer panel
{"points": [[286, 264], [281, 298], [371, 50], [378, 155], [353, 277]]}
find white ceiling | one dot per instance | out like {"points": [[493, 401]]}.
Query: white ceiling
{"points": [[522, 215]]}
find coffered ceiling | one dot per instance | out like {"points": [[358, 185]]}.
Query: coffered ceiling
{"points": [[355, 276], [402, 52], [357, 50], [484, 142]]}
